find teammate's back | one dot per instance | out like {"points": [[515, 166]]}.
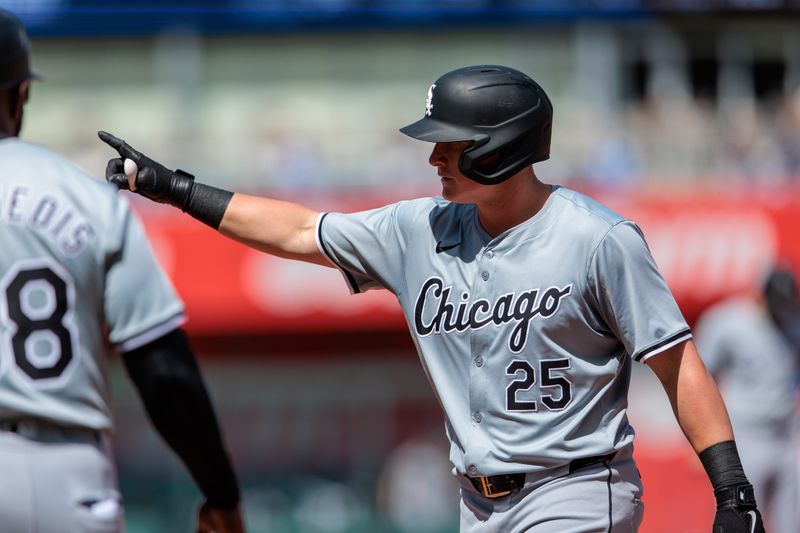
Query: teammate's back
{"points": [[72, 250], [78, 280]]}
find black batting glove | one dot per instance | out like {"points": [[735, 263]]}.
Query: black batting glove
{"points": [[736, 500], [158, 183], [736, 510], [153, 180]]}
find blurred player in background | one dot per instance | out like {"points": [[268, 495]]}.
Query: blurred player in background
{"points": [[528, 304], [752, 347], [76, 276]]}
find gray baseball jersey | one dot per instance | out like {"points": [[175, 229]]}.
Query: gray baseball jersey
{"points": [[527, 338], [77, 272], [739, 342]]}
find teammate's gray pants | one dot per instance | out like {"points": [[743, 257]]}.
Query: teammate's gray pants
{"points": [[605, 497], [54, 481]]}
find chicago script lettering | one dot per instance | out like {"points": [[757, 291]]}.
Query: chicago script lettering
{"points": [[449, 316]]}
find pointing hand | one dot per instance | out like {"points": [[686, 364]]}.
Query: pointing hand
{"points": [[136, 172]]}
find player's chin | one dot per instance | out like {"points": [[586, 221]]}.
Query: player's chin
{"points": [[449, 189], [453, 194]]}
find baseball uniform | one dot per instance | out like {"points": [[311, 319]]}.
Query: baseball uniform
{"points": [[526, 331], [527, 339], [756, 367], [77, 273]]}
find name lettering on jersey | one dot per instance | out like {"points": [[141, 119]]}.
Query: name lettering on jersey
{"points": [[46, 215], [511, 307]]}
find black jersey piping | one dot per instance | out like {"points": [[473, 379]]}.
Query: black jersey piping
{"points": [[608, 485], [655, 347], [350, 278]]}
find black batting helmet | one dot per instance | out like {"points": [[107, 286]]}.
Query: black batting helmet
{"points": [[507, 115], [14, 52]]}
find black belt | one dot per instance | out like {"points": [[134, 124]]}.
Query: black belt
{"points": [[38, 428], [583, 462], [504, 484]]}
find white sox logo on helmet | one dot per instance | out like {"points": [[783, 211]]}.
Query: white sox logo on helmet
{"points": [[429, 101], [520, 307]]}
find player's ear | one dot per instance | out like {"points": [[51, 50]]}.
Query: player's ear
{"points": [[24, 91], [8, 111], [19, 98]]}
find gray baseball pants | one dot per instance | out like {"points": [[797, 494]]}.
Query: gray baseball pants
{"points": [[57, 480], [604, 497]]}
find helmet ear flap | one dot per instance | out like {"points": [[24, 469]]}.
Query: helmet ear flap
{"points": [[490, 164], [481, 162]]}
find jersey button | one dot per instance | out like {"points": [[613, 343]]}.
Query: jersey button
{"points": [[489, 254], [477, 417], [484, 275], [472, 470], [479, 361]]}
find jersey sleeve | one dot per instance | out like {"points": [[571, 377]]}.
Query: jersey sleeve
{"points": [[366, 246], [632, 297], [140, 302]]}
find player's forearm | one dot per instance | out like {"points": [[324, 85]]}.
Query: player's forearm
{"points": [[273, 226], [170, 384], [704, 420], [700, 411], [694, 396]]}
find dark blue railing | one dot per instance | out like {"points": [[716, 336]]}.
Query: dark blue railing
{"points": [[63, 18]]}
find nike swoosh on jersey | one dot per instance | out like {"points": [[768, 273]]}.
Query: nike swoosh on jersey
{"points": [[753, 520], [443, 248]]}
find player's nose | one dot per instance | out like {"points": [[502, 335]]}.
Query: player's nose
{"points": [[437, 157]]}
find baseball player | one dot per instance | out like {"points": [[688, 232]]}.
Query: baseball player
{"points": [[747, 344], [76, 276], [528, 304]]}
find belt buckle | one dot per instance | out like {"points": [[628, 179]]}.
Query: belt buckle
{"points": [[486, 486]]}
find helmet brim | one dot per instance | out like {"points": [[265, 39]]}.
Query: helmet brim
{"points": [[30, 76], [431, 130]]}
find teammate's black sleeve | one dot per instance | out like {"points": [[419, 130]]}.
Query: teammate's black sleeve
{"points": [[169, 381]]}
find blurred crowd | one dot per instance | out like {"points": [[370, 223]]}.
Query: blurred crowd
{"points": [[654, 141], [658, 142], [649, 142], [663, 141], [634, 105]]}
